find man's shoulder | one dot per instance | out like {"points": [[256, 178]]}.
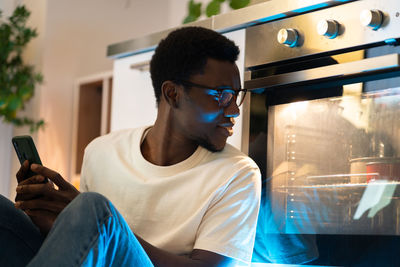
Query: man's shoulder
{"points": [[229, 151], [232, 152], [120, 138], [233, 157]]}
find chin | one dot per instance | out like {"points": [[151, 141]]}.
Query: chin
{"points": [[212, 147]]}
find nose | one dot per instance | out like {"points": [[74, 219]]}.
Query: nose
{"points": [[232, 110]]}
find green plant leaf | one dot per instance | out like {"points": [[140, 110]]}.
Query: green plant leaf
{"points": [[39, 78], [17, 79], [237, 4], [194, 12], [2, 103], [11, 115], [35, 126], [14, 103], [25, 92], [194, 8], [189, 19], [213, 8]]}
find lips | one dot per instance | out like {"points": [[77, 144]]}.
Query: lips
{"points": [[226, 129]]}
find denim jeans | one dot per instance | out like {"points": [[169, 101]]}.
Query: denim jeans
{"points": [[89, 232]]}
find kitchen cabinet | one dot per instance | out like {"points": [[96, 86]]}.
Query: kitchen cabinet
{"points": [[91, 118], [133, 101]]}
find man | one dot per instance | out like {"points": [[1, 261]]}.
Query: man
{"points": [[189, 198]]}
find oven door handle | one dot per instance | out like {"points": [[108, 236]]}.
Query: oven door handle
{"points": [[333, 75]]}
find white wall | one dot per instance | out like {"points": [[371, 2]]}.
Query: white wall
{"points": [[6, 131]]}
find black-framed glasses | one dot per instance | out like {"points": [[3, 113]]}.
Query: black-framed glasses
{"points": [[223, 94]]}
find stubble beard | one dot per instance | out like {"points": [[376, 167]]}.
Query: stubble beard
{"points": [[208, 145]]}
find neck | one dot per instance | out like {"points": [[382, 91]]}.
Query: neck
{"points": [[164, 145]]}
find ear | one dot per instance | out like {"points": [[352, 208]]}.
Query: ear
{"points": [[170, 93]]}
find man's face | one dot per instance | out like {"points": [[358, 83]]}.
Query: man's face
{"points": [[200, 117]]}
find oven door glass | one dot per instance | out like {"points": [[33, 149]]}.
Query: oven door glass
{"points": [[331, 175]]}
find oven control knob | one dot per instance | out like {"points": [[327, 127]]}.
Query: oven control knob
{"points": [[288, 37], [328, 28], [372, 18]]}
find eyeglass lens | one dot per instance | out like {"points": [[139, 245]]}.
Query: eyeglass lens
{"points": [[227, 96]]}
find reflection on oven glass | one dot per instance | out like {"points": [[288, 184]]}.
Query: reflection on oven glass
{"points": [[334, 164]]}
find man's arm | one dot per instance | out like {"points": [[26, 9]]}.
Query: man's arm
{"points": [[198, 257], [43, 203]]}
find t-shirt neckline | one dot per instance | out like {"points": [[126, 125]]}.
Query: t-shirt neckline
{"points": [[156, 170]]}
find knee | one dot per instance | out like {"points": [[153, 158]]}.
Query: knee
{"points": [[6, 205], [8, 212], [90, 202], [14, 222], [92, 198]]}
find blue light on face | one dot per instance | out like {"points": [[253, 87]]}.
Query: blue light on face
{"points": [[209, 117], [214, 93]]}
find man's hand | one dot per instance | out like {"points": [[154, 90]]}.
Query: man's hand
{"points": [[23, 176], [42, 202]]}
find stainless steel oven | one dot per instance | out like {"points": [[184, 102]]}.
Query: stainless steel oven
{"points": [[324, 128]]}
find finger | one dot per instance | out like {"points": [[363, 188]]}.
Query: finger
{"points": [[37, 179], [21, 197], [41, 204], [52, 175], [39, 190], [23, 171], [31, 191], [28, 196]]}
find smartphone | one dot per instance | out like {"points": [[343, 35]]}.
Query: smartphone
{"points": [[26, 150]]}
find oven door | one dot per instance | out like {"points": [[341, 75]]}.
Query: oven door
{"points": [[327, 141]]}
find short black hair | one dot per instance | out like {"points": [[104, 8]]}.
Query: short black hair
{"points": [[184, 52]]}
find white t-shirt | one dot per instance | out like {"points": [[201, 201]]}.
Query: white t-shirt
{"points": [[209, 201]]}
